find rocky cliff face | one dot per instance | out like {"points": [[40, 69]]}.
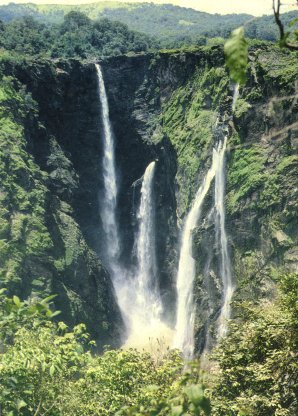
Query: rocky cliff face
{"points": [[51, 149], [171, 107], [261, 189]]}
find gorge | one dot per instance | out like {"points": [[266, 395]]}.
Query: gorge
{"points": [[110, 214]]}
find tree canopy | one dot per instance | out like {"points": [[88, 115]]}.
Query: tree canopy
{"points": [[76, 36]]}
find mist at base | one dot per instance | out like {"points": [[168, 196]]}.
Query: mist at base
{"points": [[151, 337]]}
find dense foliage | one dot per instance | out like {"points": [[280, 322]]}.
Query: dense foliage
{"points": [[76, 36], [258, 366], [24, 238], [47, 368], [172, 26]]}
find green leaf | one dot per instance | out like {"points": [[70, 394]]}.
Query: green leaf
{"points": [[51, 314], [52, 370], [195, 394], [17, 301], [48, 299], [62, 326], [176, 411], [20, 404], [236, 53]]}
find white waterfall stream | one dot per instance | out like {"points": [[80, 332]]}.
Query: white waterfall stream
{"points": [[147, 291], [225, 263], [137, 291], [145, 306], [236, 94], [184, 331], [109, 201]]}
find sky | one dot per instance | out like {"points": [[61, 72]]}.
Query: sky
{"points": [[254, 7]]}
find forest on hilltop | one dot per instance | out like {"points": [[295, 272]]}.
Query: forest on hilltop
{"points": [[172, 26]]}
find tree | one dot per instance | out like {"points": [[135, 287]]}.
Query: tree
{"points": [[258, 360], [236, 47], [284, 36]]}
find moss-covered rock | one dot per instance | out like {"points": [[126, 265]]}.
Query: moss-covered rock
{"points": [[42, 249]]}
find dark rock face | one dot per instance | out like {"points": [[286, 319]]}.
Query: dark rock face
{"points": [[261, 190], [67, 147]]}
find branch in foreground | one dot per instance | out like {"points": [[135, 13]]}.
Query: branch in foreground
{"points": [[283, 35]]}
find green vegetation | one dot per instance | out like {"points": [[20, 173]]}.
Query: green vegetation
{"points": [[172, 25], [77, 36], [258, 362], [246, 175], [280, 66], [188, 120], [24, 237], [47, 368]]}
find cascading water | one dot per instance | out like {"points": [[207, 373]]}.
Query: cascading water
{"points": [[145, 307], [236, 93], [109, 201], [225, 263], [137, 292], [184, 331], [146, 257]]}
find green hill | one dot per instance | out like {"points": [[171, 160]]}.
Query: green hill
{"points": [[173, 25]]}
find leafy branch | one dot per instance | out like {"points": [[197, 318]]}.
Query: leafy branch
{"points": [[284, 36], [236, 53]]}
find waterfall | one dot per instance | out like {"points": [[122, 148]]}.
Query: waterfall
{"points": [[184, 331], [146, 258], [136, 290], [145, 305], [109, 201], [235, 96], [225, 264]]}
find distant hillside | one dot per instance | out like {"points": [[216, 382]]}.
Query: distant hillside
{"points": [[171, 24]]}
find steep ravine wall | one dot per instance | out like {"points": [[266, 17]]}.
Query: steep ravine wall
{"points": [[169, 107], [186, 99], [261, 169], [62, 261]]}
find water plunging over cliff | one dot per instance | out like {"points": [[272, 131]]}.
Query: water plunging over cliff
{"points": [[147, 290], [235, 96], [184, 331], [145, 306], [109, 202], [137, 291], [221, 236]]}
